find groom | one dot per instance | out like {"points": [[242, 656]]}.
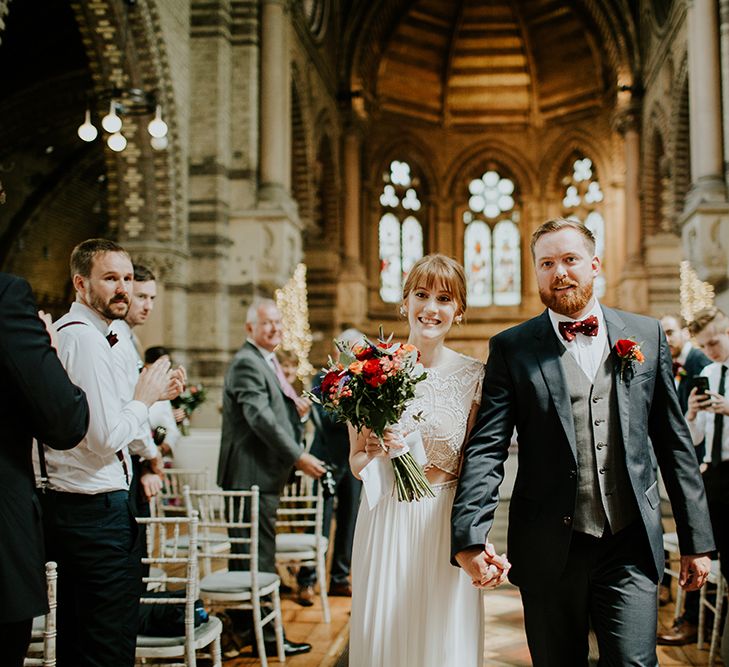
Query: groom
{"points": [[593, 426]]}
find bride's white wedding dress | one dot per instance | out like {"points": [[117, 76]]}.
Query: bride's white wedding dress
{"points": [[410, 606]]}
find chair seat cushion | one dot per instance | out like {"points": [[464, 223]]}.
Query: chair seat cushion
{"points": [[290, 542], [204, 634], [233, 582], [212, 541]]}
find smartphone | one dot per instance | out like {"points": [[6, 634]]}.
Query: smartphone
{"points": [[701, 383]]}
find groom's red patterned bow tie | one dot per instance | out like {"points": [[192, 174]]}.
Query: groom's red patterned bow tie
{"points": [[588, 327]]}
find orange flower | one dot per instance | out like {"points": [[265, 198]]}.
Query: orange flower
{"points": [[356, 367]]}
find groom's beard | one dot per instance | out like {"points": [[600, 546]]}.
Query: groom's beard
{"points": [[566, 303]]}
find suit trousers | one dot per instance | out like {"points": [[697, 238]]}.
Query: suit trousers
{"points": [[92, 538], [348, 490], [14, 640], [267, 507], [608, 584]]}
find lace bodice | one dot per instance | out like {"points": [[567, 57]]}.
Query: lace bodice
{"points": [[444, 400]]}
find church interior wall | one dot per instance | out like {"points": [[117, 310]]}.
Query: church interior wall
{"points": [[198, 214]]}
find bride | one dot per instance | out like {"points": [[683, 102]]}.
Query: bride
{"points": [[410, 606]]}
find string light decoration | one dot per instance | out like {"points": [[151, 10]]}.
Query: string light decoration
{"points": [[695, 293], [292, 301]]}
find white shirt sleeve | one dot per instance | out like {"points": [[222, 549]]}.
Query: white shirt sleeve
{"points": [[88, 361], [697, 427]]}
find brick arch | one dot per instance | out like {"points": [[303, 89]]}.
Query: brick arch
{"points": [[656, 171], [495, 151], [52, 221], [406, 148], [561, 149], [125, 46], [301, 163]]}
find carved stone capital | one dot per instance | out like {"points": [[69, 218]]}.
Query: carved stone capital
{"points": [[705, 239]]}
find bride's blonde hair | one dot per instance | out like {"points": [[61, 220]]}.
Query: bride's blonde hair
{"points": [[438, 270]]}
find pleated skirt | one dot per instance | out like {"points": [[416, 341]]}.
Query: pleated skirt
{"points": [[410, 606]]}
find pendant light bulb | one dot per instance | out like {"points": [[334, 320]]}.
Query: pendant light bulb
{"points": [[86, 131], [157, 127], [117, 142], [111, 122], [159, 143]]}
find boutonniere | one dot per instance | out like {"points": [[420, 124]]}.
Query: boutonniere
{"points": [[628, 352]]}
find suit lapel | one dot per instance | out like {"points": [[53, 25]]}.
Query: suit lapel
{"points": [[548, 353], [273, 380], [616, 331]]}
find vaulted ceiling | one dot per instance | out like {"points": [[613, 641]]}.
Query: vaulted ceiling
{"points": [[475, 62]]}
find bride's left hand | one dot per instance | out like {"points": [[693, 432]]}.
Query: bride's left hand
{"points": [[374, 446]]}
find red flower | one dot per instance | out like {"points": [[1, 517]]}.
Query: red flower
{"points": [[624, 347], [330, 380], [372, 367], [363, 352], [628, 351], [372, 371]]}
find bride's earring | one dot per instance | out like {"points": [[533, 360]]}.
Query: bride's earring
{"points": [[403, 311], [458, 319]]}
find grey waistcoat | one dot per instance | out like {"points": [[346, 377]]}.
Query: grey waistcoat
{"points": [[603, 487]]}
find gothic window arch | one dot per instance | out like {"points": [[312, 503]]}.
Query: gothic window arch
{"points": [[400, 227], [492, 239], [583, 199]]}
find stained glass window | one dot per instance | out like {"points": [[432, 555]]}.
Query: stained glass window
{"points": [[583, 200], [492, 241], [400, 229]]}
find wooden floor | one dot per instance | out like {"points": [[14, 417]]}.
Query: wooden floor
{"points": [[504, 644]]}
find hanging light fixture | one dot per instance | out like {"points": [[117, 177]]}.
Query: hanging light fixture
{"points": [[86, 131], [116, 142], [126, 102], [157, 127], [111, 122]]}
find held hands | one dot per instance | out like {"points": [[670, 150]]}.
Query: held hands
{"points": [[694, 571], [484, 566], [376, 447]]}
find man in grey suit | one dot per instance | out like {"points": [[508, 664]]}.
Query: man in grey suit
{"points": [[594, 422], [261, 435]]}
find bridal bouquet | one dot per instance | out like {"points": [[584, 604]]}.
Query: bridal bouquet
{"points": [[189, 400], [370, 387]]}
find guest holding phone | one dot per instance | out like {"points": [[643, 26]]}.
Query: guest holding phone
{"points": [[708, 408]]}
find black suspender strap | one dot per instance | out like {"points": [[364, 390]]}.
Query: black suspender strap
{"points": [[42, 465]]}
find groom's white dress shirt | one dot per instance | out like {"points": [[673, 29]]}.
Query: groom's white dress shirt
{"points": [[587, 350], [93, 466]]}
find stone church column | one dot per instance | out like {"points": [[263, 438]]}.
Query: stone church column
{"points": [[266, 232], [633, 291], [352, 285], [275, 170], [706, 216]]}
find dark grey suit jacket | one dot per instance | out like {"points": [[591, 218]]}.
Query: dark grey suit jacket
{"points": [[261, 428], [36, 400], [524, 388]]}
